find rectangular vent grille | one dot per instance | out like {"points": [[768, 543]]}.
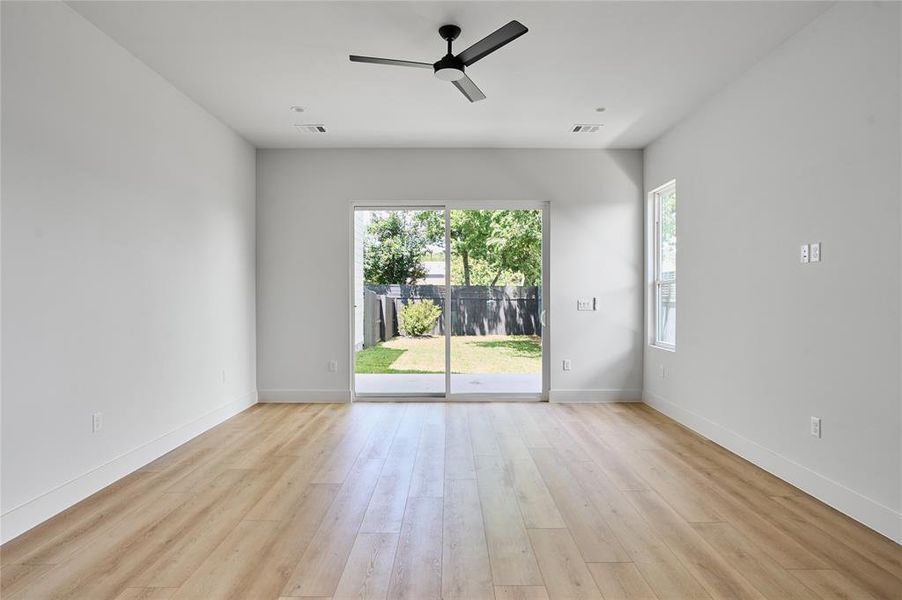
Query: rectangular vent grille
{"points": [[584, 128], [311, 128]]}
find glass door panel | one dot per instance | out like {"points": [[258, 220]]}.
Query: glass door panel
{"points": [[496, 309], [399, 302]]}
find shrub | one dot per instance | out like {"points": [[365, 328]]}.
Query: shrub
{"points": [[418, 318]]}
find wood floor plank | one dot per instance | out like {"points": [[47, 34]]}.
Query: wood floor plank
{"points": [[367, 574], [759, 569], [561, 440], [459, 462], [386, 508], [832, 585], [882, 551], [137, 593], [617, 469], [280, 500], [334, 468], [60, 537], [521, 592], [681, 441], [428, 478], [512, 447], [690, 502], [417, 571], [511, 555], [223, 459], [270, 444], [831, 548], [563, 570], [530, 430], [466, 570], [383, 434], [593, 536], [291, 541], [482, 432], [108, 565], [323, 562], [787, 551], [719, 578], [621, 581], [228, 568], [536, 503], [16, 578], [199, 532], [663, 571]]}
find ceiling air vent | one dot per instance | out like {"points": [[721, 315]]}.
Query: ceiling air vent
{"points": [[311, 128], [584, 128]]}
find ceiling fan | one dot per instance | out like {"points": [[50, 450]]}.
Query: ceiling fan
{"points": [[450, 67]]}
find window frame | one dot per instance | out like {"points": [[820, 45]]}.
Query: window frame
{"points": [[657, 281]]}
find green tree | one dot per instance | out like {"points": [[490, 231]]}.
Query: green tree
{"points": [[515, 244], [492, 245], [395, 241]]}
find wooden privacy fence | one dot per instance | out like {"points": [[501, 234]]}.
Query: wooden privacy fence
{"points": [[476, 309]]}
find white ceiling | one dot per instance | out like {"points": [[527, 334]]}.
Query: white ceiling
{"points": [[648, 63]]}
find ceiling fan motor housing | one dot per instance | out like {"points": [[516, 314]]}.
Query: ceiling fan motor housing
{"points": [[449, 68]]}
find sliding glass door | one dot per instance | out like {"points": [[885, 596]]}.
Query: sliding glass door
{"points": [[449, 302], [496, 301], [399, 298]]}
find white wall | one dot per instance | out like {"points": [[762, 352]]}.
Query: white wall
{"points": [[804, 147], [127, 259], [303, 227]]}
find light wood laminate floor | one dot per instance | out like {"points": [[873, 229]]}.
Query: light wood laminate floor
{"points": [[468, 501]]}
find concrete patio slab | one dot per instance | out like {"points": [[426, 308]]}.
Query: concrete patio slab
{"points": [[461, 383]]}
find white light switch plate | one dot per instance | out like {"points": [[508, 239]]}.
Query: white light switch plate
{"points": [[816, 427], [97, 422], [584, 305], [803, 254], [565, 365]]}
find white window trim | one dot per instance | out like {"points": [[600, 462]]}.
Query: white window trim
{"points": [[654, 228]]}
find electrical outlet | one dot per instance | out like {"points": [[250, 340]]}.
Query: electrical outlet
{"points": [[816, 427], [333, 366], [815, 253], [96, 422], [566, 366], [803, 254]]}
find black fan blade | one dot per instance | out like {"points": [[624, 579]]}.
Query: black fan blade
{"points": [[492, 42], [389, 61], [469, 89]]}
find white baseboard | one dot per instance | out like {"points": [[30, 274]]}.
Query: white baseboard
{"points": [[595, 396], [861, 508], [20, 519], [306, 396]]}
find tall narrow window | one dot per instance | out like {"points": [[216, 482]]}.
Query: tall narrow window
{"points": [[664, 205]]}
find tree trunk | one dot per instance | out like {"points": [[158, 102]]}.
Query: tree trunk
{"points": [[497, 275], [466, 260]]}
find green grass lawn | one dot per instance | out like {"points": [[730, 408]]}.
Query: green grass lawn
{"points": [[469, 354]]}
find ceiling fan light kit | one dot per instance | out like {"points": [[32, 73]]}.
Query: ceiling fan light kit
{"points": [[453, 68]]}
